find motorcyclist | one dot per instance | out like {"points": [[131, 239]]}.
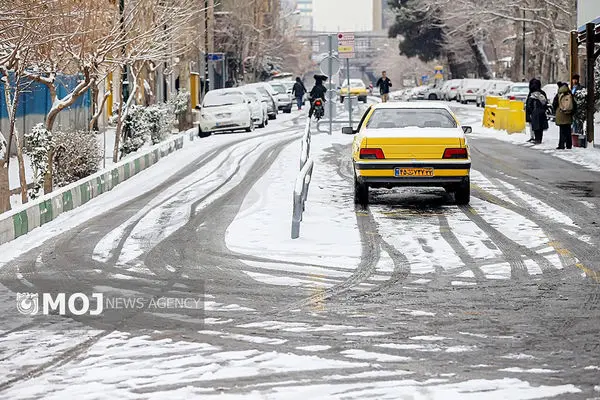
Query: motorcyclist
{"points": [[317, 92]]}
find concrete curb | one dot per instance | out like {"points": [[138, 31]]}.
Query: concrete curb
{"points": [[24, 219]]}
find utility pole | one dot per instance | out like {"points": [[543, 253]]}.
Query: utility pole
{"points": [[125, 88], [205, 81], [524, 57], [330, 73], [349, 91]]}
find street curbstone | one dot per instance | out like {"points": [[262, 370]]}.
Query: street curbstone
{"points": [[23, 219], [20, 224], [33, 218], [7, 230]]}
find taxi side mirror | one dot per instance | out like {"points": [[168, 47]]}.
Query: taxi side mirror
{"points": [[348, 130], [467, 129]]}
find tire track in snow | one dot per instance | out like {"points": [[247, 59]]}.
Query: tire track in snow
{"points": [[69, 354], [510, 249], [449, 236], [577, 253]]}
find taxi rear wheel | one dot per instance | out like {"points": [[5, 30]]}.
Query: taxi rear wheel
{"points": [[462, 195], [361, 193]]}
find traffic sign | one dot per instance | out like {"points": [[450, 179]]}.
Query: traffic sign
{"points": [[346, 44], [216, 56], [439, 72], [335, 65]]}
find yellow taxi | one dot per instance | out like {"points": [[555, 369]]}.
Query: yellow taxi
{"points": [[357, 89], [410, 144]]}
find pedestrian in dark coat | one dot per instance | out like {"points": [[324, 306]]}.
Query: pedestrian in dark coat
{"points": [[299, 90], [535, 110]]}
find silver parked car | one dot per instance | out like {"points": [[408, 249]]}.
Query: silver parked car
{"points": [[284, 98], [517, 91], [494, 88]]}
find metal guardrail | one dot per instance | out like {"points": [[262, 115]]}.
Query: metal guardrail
{"points": [[302, 182], [306, 138], [300, 196]]}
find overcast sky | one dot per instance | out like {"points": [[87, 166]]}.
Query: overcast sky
{"points": [[343, 15]]}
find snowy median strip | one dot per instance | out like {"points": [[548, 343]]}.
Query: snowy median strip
{"points": [[302, 182], [23, 219]]}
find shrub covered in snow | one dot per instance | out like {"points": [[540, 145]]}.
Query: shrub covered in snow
{"points": [[580, 98], [76, 156], [158, 118], [38, 144], [135, 130], [180, 103], [3, 147]]}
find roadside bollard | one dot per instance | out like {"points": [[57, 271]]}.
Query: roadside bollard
{"points": [[489, 112], [501, 122], [516, 117]]}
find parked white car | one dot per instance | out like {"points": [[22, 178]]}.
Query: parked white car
{"points": [[495, 89], [451, 89], [517, 91], [284, 99], [267, 90], [397, 95], [289, 85], [226, 110], [260, 110], [468, 89]]}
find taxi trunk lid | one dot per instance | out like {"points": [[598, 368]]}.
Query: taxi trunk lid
{"points": [[414, 144]]}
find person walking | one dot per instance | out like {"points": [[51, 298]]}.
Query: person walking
{"points": [[384, 84], [535, 110], [565, 108], [299, 90]]}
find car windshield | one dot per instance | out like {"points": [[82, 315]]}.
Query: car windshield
{"points": [[411, 117], [519, 89], [354, 84], [216, 99], [252, 95], [263, 91], [279, 88], [501, 86]]}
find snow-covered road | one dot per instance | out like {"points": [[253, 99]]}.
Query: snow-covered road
{"points": [[412, 297]]}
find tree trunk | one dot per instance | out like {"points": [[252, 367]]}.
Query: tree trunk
{"points": [[119, 120], [94, 121], [516, 72], [483, 66], [49, 173], [4, 188], [22, 178]]}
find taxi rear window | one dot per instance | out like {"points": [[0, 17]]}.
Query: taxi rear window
{"points": [[390, 118]]}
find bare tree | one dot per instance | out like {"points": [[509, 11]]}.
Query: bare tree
{"points": [[547, 22], [18, 35]]}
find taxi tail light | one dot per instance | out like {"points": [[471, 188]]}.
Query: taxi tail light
{"points": [[512, 98], [372, 154], [456, 153]]}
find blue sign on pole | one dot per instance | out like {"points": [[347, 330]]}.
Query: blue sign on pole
{"points": [[215, 56]]}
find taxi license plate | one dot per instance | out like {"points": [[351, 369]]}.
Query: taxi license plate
{"points": [[414, 172]]}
